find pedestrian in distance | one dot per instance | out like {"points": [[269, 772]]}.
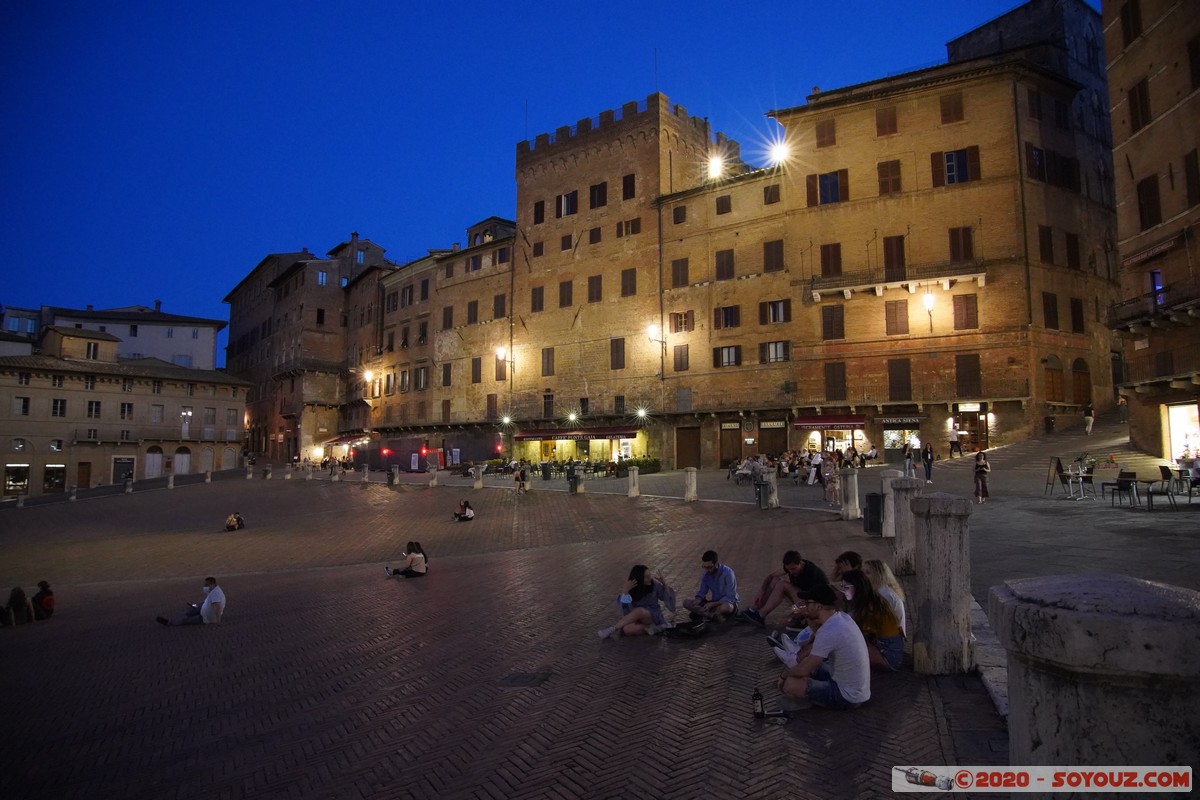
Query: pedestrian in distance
{"points": [[641, 605], [415, 564], [1089, 418], [1123, 408], [927, 461], [955, 444]]}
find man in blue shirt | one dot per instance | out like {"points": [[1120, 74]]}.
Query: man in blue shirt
{"points": [[717, 596]]}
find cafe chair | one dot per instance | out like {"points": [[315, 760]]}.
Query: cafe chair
{"points": [[1086, 483], [1168, 477], [1126, 486]]}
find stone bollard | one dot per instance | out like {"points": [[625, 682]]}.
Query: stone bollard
{"points": [[366, 472], [208, 476], [889, 509], [850, 507], [1102, 669], [433, 481], [308, 473], [940, 604], [580, 485], [20, 501], [771, 487], [904, 491], [268, 472], [336, 476], [477, 472], [129, 484], [249, 473], [287, 472], [74, 495], [170, 484], [690, 495], [634, 490]]}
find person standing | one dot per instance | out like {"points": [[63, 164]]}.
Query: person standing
{"points": [[1089, 417], [955, 444], [1123, 407], [909, 461], [927, 461], [982, 468]]}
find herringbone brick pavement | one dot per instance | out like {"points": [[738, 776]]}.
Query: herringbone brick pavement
{"points": [[483, 680]]}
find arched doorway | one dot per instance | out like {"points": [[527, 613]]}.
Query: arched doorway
{"points": [[1081, 382], [206, 459], [229, 458], [183, 461], [154, 462]]}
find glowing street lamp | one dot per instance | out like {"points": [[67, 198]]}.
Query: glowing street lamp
{"points": [[716, 167], [928, 300], [779, 152]]}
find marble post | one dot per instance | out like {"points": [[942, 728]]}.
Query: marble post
{"points": [[939, 608]]}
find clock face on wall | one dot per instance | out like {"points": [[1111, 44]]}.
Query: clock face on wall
{"points": [[748, 426]]}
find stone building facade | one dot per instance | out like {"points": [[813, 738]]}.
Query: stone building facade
{"points": [[77, 416], [1153, 49]]}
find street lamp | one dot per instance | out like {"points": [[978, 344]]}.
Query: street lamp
{"points": [[929, 308]]}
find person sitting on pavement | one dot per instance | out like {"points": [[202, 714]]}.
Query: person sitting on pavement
{"points": [[241, 522], [641, 605], [231, 523], [836, 672], [797, 575], [18, 610], [415, 564], [210, 612], [883, 580], [717, 596], [844, 563], [878, 623], [43, 601], [790, 649], [464, 512]]}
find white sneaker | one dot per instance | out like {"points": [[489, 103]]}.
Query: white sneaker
{"points": [[388, 570], [788, 645], [789, 659], [606, 633], [652, 630]]}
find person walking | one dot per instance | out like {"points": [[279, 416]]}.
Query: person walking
{"points": [[982, 468], [909, 456], [1123, 407], [955, 444], [1089, 417], [927, 461]]}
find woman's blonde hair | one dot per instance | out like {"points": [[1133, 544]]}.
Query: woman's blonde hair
{"points": [[880, 574]]}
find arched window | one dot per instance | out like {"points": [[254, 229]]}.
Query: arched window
{"points": [[1054, 380], [1081, 382]]}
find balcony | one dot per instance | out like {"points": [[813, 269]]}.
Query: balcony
{"points": [[140, 434], [908, 277], [1175, 304], [1179, 368]]}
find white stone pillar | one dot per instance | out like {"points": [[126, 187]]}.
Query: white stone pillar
{"points": [[580, 485], [74, 495], [249, 472], [366, 471], [433, 478], [336, 475], [771, 487], [904, 490], [170, 484], [308, 472], [20, 501], [850, 507], [634, 489], [208, 476], [478, 471], [940, 604], [690, 495], [1102, 669], [268, 472], [287, 472], [886, 477], [128, 484]]}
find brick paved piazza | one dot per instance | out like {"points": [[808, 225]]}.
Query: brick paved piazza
{"points": [[328, 680]]}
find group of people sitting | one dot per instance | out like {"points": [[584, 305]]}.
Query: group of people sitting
{"points": [[834, 634], [810, 466], [234, 522], [21, 609]]}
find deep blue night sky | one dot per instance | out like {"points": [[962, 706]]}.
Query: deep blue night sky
{"points": [[159, 149]]}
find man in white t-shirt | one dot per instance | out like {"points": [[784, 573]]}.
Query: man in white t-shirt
{"points": [[209, 612], [836, 673]]}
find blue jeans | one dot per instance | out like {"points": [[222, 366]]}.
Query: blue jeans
{"points": [[823, 691]]}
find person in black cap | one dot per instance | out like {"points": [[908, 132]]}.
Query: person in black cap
{"points": [[836, 673], [797, 575]]}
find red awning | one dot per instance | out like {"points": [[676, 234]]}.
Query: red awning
{"points": [[831, 422], [578, 434]]}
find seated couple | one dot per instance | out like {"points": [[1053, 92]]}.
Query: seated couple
{"points": [[464, 512], [641, 603]]}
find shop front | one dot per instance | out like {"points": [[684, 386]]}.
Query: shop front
{"points": [[830, 433], [772, 436], [972, 422], [1183, 431], [897, 432], [595, 445]]}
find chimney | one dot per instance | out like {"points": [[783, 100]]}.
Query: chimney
{"points": [[158, 305], [353, 236]]}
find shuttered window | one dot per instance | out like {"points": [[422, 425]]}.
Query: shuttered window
{"points": [[833, 322], [896, 313], [899, 379], [835, 381], [966, 312]]}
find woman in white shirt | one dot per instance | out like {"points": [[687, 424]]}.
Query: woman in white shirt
{"points": [[415, 564]]}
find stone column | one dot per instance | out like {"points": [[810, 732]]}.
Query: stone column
{"points": [[287, 472], [904, 491], [336, 475], [170, 484], [74, 495], [939, 608], [433, 481], [208, 476], [366, 472], [308, 472], [886, 477], [580, 486], [249, 472], [771, 487], [20, 501], [268, 472], [128, 484], [634, 490], [850, 507], [690, 494], [478, 476], [1102, 669]]}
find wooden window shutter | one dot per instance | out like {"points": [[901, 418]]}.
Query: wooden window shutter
{"points": [[737, 355], [810, 186], [787, 310], [737, 316], [843, 185], [787, 351], [716, 357], [937, 166], [716, 319], [762, 353], [1031, 168], [973, 173], [763, 311], [689, 321]]}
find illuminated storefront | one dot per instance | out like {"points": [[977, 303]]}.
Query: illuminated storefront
{"points": [[601, 445], [831, 433]]}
